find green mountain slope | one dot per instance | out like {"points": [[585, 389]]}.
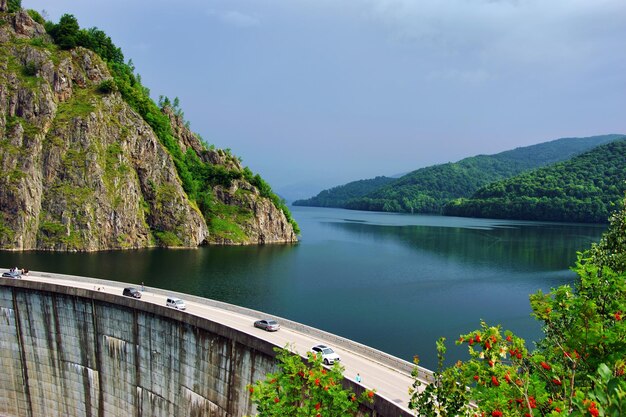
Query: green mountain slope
{"points": [[427, 190], [585, 188], [340, 196], [90, 162]]}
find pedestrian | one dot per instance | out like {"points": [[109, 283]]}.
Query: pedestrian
{"points": [[358, 378], [142, 287]]}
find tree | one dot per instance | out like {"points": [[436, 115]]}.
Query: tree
{"points": [[444, 397], [302, 390], [14, 5], [65, 33]]}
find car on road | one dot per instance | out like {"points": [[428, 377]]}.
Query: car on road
{"points": [[329, 356], [267, 324], [131, 292], [12, 274], [176, 303]]}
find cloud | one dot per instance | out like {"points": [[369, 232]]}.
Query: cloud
{"points": [[510, 31], [235, 18]]}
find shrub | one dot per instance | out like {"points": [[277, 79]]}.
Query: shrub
{"points": [[107, 86], [36, 16], [14, 5], [30, 69], [300, 390]]}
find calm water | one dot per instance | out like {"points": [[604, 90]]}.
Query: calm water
{"points": [[395, 282]]}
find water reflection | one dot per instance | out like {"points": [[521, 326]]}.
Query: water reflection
{"points": [[535, 247]]}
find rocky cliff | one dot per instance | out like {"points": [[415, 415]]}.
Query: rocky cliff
{"points": [[81, 170]]}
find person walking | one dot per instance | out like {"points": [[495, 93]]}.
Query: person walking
{"points": [[142, 287], [358, 378]]}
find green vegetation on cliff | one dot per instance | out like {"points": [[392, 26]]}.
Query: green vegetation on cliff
{"points": [[583, 189], [427, 190], [197, 176]]}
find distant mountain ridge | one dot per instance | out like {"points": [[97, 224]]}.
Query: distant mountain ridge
{"points": [[584, 189], [340, 196], [429, 189]]}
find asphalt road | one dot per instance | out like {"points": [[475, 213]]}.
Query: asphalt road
{"points": [[392, 384]]}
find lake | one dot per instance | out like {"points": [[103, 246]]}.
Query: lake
{"points": [[396, 282]]}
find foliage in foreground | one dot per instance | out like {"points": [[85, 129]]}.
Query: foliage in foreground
{"points": [[302, 390], [577, 369]]}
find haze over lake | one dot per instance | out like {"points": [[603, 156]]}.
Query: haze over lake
{"points": [[392, 281]]}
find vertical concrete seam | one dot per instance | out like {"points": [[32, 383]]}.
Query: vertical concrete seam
{"points": [[59, 349], [98, 365], [22, 353], [231, 379], [138, 400]]}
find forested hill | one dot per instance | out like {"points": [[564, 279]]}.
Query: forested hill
{"points": [[427, 190], [339, 196], [583, 189]]}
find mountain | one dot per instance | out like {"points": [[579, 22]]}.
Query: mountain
{"points": [[427, 190], [586, 188], [90, 162], [341, 195]]}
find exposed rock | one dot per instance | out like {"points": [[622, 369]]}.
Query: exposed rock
{"points": [[25, 26], [82, 171], [266, 223]]}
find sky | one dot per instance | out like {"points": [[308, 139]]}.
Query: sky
{"points": [[316, 93]]}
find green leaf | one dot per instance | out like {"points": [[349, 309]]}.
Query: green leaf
{"points": [[604, 372]]}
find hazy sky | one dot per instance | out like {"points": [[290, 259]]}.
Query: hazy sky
{"points": [[322, 92]]}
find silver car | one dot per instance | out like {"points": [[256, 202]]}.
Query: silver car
{"points": [[268, 325]]}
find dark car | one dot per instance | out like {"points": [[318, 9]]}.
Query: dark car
{"points": [[132, 292], [266, 324], [12, 274]]}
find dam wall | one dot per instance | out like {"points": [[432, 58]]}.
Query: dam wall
{"points": [[67, 351]]}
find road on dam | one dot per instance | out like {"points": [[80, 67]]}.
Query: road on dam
{"points": [[389, 382]]}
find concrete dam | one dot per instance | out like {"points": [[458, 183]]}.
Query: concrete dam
{"points": [[85, 350]]}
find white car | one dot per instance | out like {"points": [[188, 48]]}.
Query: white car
{"points": [[176, 303], [329, 356]]}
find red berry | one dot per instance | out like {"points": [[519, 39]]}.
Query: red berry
{"points": [[496, 413], [545, 366], [370, 394], [276, 399], [317, 406], [495, 381]]}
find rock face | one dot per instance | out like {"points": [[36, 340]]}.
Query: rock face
{"points": [[80, 170]]}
